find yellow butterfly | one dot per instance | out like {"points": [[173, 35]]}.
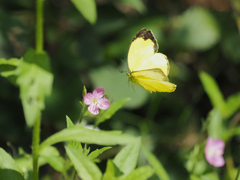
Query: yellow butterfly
{"points": [[148, 68]]}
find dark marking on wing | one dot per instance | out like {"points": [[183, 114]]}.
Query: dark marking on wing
{"points": [[145, 34]]}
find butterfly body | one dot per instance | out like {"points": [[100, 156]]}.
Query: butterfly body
{"points": [[148, 68]]}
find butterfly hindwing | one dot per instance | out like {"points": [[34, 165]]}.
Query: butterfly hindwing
{"points": [[158, 60], [152, 80]]}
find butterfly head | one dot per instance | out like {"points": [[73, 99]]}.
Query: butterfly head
{"points": [[129, 74]]}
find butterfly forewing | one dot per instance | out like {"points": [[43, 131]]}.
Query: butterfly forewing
{"points": [[139, 51]]}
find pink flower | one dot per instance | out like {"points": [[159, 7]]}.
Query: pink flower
{"points": [[214, 150], [96, 100]]}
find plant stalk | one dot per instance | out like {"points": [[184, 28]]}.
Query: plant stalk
{"points": [[39, 27], [35, 146]]}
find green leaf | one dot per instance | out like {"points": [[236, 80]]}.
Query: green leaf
{"points": [[7, 162], [211, 175], [156, 164], [86, 169], [69, 122], [230, 133], [97, 152], [141, 173], [215, 127], [107, 76], [74, 144], [195, 177], [51, 155], [25, 162], [86, 150], [8, 68], [57, 162], [194, 158], [8, 168], [42, 60], [9, 65], [79, 133], [50, 150], [114, 107], [126, 159], [10, 174], [197, 29], [233, 104], [35, 83], [87, 8], [112, 171], [211, 88]]}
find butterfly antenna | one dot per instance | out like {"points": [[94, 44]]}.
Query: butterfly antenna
{"points": [[121, 71], [124, 63]]}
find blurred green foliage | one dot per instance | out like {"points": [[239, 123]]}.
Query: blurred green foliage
{"points": [[195, 35]]}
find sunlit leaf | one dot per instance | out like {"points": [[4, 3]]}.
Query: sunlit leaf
{"points": [[8, 68], [8, 168], [126, 159], [25, 161], [57, 162], [11, 62], [87, 8], [51, 155], [97, 152], [35, 83], [212, 176], [7, 162], [86, 169], [141, 173], [112, 171], [74, 144], [114, 107], [156, 164], [88, 136]]}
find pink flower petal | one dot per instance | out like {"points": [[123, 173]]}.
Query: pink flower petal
{"points": [[98, 92], [93, 108], [214, 150], [216, 161], [219, 161], [217, 145], [88, 98], [103, 103]]}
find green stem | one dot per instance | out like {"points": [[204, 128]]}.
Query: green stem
{"points": [[36, 140], [39, 27], [83, 111], [75, 175]]}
